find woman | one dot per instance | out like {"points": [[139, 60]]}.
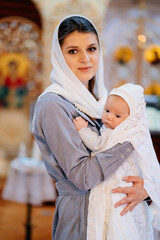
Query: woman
{"points": [[77, 90]]}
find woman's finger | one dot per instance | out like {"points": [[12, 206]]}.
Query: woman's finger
{"points": [[128, 208], [123, 190], [133, 179], [123, 201]]}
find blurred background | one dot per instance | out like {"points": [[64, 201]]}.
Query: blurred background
{"points": [[130, 35]]}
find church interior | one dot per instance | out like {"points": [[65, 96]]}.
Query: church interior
{"points": [[130, 35]]}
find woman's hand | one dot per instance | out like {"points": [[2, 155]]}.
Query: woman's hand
{"points": [[79, 123], [134, 194]]}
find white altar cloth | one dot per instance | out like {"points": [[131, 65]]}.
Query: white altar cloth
{"points": [[29, 182]]}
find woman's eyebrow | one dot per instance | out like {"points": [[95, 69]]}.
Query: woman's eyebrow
{"points": [[90, 45], [72, 47]]}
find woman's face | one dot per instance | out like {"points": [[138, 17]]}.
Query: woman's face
{"points": [[81, 53]]}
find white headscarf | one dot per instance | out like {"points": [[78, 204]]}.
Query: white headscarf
{"points": [[66, 84]]}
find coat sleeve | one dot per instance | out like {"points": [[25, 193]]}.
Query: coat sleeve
{"points": [[53, 126], [92, 140]]}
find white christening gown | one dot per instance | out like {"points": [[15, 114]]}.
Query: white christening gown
{"points": [[104, 220]]}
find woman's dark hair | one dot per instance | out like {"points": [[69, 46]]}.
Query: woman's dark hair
{"points": [[72, 24], [81, 25]]}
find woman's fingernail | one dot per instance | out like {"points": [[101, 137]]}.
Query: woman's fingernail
{"points": [[113, 191]]}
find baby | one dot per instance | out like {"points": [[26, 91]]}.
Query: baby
{"points": [[124, 119]]}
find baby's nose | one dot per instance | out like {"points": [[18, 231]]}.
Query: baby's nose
{"points": [[109, 116]]}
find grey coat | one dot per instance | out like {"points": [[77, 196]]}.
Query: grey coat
{"points": [[70, 164]]}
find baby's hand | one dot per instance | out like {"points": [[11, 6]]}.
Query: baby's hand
{"points": [[79, 123]]}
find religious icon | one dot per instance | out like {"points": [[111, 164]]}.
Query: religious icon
{"points": [[13, 90]]}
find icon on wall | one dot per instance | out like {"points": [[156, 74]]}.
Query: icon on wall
{"points": [[13, 80]]}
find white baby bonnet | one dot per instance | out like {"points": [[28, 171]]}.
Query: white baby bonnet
{"points": [[132, 94], [66, 84]]}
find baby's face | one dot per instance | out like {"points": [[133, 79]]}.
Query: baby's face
{"points": [[116, 110]]}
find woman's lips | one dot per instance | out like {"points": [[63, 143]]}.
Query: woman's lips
{"points": [[84, 68]]}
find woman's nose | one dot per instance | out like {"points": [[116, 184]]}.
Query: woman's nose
{"points": [[84, 57]]}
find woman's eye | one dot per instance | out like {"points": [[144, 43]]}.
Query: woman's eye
{"points": [[72, 51], [92, 49], [117, 116], [107, 110]]}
